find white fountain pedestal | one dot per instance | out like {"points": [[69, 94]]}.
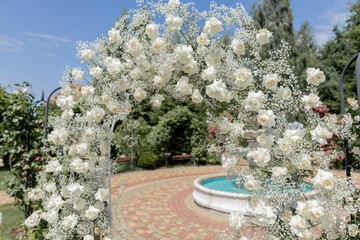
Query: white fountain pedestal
{"points": [[226, 202]]}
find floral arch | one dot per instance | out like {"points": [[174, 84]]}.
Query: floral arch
{"points": [[187, 58]]}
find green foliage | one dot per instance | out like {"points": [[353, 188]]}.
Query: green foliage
{"points": [[5, 174], [20, 141], [335, 54], [148, 160], [180, 131]]}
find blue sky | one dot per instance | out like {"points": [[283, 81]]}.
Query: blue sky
{"points": [[38, 37]]}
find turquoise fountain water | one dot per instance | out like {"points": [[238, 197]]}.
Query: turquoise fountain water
{"points": [[223, 184]]}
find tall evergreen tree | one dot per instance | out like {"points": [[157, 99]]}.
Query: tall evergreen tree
{"points": [[335, 54], [277, 17]]}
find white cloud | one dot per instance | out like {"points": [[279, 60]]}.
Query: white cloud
{"points": [[10, 44], [47, 37], [337, 15]]}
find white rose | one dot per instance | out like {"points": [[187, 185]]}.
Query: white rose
{"points": [[105, 148], [320, 134], [58, 136], [134, 47], [99, 205], [159, 81], [53, 167], [209, 74], [225, 125], [165, 72], [254, 101], [96, 72], [324, 180], [54, 202], [49, 187], [254, 201], [212, 27], [75, 190], [92, 213], [50, 216], [96, 114], [191, 68], [303, 161], [70, 221], [263, 37], [79, 166], [310, 210], [294, 136], [251, 184], [202, 39], [279, 172], [89, 134], [238, 47], [125, 107], [152, 30], [156, 100], [196, 96], [140, 95], [172, 4], [113, 65], [353, 230], [34, 219], [67, 114], [286, 216], [102, 194], [35, 194], [135, 73], [229, 163], [219, 91], [266, 118], [88, 237], [237, 130], [284, 93], [79, 203], [65, 103], [311, 100], [261, 156], [270, 81], [16, 92], [314, 76], [142, 65], [328, 221], [114, 35], [285, 146], [87, 54], [265, 141], [87, 91], [174, 23], [25, 91], [297, 225], [264, 215], [184, 53], [82, 149], [236, 220], [157, 45], [243, 78], [77, 74], [183, 87]]}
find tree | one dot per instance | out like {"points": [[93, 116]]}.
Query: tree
{"points": [[335, 54], [277, 17]]}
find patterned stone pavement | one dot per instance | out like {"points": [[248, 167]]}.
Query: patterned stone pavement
{"points": [[159, 205]]}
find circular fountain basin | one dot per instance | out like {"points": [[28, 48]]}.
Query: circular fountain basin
{"points": [[226, 197]]}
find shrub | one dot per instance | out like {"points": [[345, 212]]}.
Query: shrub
{"points": [[147, 159]]}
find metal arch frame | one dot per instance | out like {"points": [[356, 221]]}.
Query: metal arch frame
{"points": [[342, 104]]}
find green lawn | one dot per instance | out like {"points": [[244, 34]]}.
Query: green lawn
{"points": [[4, 175], [12, 217]]}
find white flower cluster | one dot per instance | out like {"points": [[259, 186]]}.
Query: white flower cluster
{"points": [[140, 60]]}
